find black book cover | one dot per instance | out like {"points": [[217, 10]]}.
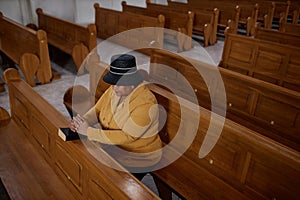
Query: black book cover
{"points": [[67, 134]]}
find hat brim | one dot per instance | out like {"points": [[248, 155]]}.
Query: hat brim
{"points": [[125, 80]]}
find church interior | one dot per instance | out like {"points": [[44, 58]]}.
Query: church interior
{"points": [[225, 75]]}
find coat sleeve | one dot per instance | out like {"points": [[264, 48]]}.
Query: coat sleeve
{"points": [[135, 127]]}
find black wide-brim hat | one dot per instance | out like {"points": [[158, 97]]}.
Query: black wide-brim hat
{"points": [[123, 71]]}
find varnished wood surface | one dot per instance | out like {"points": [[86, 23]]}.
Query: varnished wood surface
{"points": [[205, 21], [277, 36], [4, 117], [85, 175], [254, 103], [72, 38], [24, 172], [27, 48], [111, 22], [178, 22], [269, 61], [242, 165]]}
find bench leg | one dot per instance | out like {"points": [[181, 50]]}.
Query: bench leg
{"points": [[164, 191]]}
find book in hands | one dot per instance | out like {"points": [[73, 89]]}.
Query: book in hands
{"points": [[67, 134]]}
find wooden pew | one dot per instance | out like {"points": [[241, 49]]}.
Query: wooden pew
{"points": [[242, 165], [147, 33], [27, 48], [269, 61], [253, 103], [276, 36], [176, 22], [295, 12], [73, 39], [276, 11], [24, 172], [228, 14], [205, 22], [288, 27], [248, 16], [79, 164]]}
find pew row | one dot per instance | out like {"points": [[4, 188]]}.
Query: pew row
{"points": [[276, 36], [269, 109], [229, 14], [138, 32], [265, 60], [289, 28], [26, 48], [248, 16], [180, 24], [71, 38], [276, 11], [24, 172], [242, 165], [205, 21], [79, 164]]}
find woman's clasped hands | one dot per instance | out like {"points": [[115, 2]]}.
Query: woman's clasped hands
{"points": [[79, 124]]}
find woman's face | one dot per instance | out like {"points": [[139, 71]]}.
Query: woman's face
{"points": [[123, 90]]}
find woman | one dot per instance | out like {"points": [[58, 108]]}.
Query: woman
{"points": [[128, 116]]}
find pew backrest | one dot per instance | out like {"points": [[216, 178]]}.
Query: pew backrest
{"points": [[205, 21], [269, 61], [276, 36], [276, 11], [288, 27], [249, 101], [27, 48], [248, 16], [71, 38], [243, 163], [229, 14], [178, 22], [111, 22]]}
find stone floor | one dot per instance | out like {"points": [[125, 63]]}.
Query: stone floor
{"points": [[54, 91]]}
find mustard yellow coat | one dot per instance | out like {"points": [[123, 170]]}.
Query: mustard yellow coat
{"points": [[131, 125]]}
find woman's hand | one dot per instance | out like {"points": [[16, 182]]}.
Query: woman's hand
{"points": [[79, 124], [73, 125]]}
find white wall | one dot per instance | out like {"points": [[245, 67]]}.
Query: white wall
{"points": [[13, 10], [79, 11], [64, 9]]}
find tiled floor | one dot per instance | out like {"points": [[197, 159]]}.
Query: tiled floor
{"points": [[54, 91]]}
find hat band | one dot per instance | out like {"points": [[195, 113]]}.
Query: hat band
{"points": [[121, 74], [122, 68]]}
